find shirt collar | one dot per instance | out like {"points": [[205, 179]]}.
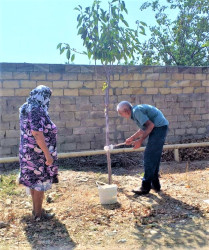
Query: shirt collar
{"points": [[132, 114]]}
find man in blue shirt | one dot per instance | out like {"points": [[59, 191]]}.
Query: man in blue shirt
{"points": [[154, 125]]}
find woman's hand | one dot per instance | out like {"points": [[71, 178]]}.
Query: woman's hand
{"points": [[137, 144], [40, 139], [49, 160]]}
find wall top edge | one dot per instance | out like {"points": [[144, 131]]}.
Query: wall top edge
{"points": [[82, 68]]}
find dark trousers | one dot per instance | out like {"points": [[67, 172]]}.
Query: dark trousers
{"points": [[152, 156]]}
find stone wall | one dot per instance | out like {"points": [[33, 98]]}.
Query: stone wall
{"points": [[77, 104]]}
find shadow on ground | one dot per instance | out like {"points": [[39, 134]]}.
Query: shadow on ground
{"points": [[170, 222], [47, 235]]}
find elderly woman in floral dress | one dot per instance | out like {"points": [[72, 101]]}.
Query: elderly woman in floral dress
{"points": [[37, 151]]}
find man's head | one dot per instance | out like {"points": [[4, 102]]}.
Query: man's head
{"points": [[124, 109]]}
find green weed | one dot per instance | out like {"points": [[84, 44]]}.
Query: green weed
{"points": [[8, 185]]}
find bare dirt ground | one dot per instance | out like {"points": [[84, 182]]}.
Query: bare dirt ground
{"points": [[175, 218]]}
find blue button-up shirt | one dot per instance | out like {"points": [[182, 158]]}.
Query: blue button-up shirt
{"points": [[144, 112]]}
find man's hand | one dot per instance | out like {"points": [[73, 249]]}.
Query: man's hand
{"points": [[129, 141], [49, 160], [137, 144]]}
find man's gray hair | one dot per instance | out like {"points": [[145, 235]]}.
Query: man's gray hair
{"points": [[124, 106]]}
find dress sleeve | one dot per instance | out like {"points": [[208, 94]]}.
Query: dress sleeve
{"points": [[141, 117], [36, 119]]}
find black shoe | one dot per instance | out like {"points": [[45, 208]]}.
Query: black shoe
{"points": [[156, 185], [140, 191]]}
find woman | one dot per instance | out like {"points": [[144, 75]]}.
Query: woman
{"points": [[37, 151]]}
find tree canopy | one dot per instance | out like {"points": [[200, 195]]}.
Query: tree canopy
{"points": [[105, 33], [181, 41]]}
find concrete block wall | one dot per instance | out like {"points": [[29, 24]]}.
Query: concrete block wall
{"points": [[77, 103]]}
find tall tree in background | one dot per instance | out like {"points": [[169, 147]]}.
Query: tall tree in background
{"points": [[182, 40], [108, 39]]}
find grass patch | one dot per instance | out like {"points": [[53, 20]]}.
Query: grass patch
{"points": [[8, 185]]}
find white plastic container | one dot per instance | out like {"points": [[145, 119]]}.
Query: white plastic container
{"points": [[107, 193]]}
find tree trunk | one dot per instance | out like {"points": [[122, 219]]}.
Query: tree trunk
{"points": [[107, 125]]}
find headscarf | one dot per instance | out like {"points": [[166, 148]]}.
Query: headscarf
{"points": [[39, 97]]}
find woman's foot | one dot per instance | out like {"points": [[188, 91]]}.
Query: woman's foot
{"points": [[44, 216]]}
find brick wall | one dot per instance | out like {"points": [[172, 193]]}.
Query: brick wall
{"points": [[77, 104]]}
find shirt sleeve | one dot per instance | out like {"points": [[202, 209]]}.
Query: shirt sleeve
{"points": [[36, 119], [141, 117]]}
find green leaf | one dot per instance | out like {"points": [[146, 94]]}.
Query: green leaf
{"points": [[87, 9], [62, 50], [125, 23], [59, 45], [124, 7], [206, 44], [89, 54], [72, 57], [80, 21], [142, 30], [105, 85], [143, 23], [121, 17], [80, 31], [78, 17], [68, 54]]}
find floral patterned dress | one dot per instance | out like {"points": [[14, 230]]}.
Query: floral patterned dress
{"points": [[34, 173]]}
